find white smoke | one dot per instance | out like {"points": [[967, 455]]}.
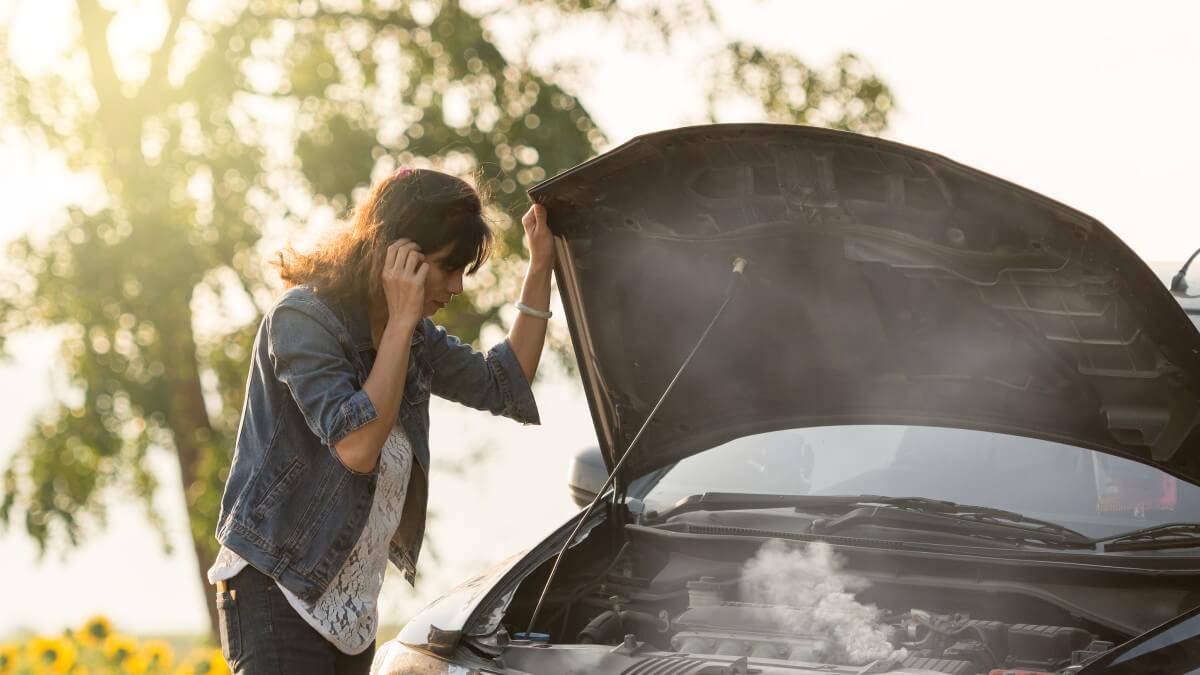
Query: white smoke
{"points": [[809, 594]]}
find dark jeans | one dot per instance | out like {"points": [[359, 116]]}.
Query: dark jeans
{"points": [[261, 634]]}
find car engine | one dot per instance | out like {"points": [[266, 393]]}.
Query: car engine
{"points": [[952, 643], [796, 612]]}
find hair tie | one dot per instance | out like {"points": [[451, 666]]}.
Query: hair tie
{"points": [[402, 172]]}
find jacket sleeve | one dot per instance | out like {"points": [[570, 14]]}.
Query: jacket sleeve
{"points": [[308, 358], [492, 382]]}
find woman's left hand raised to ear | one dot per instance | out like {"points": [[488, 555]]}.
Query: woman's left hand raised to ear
{"points": [[538, 237]]}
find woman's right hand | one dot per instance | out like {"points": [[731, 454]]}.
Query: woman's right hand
{"points": [[404, 272]]}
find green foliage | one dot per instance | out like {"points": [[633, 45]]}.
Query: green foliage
{"points": [[264, 112], [845, 96]]}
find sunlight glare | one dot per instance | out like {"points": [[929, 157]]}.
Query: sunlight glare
{"points": [[136, 32], [32, 44]]}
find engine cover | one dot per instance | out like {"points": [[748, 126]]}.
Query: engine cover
{"points": [[707, 630]]}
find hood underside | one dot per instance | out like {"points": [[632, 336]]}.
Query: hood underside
{"points": [[885, 285]]}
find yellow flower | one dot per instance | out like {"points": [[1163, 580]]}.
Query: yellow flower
{"points": [[53, 655], [135, 664], [119, 647], [207, 662], [10, 657], [219, 667], [94, 630], [157, 655]]}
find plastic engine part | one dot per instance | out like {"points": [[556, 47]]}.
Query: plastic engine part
{"points": [[948, 666], [1043, 648]]}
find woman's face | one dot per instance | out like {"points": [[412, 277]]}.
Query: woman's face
{"points": [[441, 282]]}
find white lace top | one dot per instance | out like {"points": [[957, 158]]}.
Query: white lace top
{"points": [[347, 613]]}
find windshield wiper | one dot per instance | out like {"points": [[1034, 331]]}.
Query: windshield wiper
{"points": [[988, 521], [1170, 535], [1024, 526]]}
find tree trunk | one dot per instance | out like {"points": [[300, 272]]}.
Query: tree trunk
{"points": [[204, 560], [192, 429], [204, 557]]}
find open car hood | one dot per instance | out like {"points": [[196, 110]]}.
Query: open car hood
{"points": [[885, 285]]}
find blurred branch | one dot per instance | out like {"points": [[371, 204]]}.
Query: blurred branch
{"points": [[377, 20], [94, 21], [157, 79]]}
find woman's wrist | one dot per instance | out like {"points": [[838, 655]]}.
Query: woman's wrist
{"points": [[540, 268], [535, 292], [400, 328]]}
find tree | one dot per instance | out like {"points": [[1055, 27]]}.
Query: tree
{"points": [[263, 117]]}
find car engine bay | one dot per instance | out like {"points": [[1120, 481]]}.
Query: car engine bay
{"points": [[952, 643], [671, 605]]}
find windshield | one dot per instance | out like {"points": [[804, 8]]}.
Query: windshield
{"points": [[1091, 492]]}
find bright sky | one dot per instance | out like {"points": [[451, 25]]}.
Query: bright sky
{"points": [[1091, 103]]}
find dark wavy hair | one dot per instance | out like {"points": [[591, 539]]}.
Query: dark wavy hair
{"points": [[429, 207]]}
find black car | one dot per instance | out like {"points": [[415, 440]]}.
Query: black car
{"points": [[929, 422]]}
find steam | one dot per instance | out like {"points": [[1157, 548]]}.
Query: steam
{"points": [[809, 594]]}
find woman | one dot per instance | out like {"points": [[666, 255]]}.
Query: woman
{"points": [[330, 471]]}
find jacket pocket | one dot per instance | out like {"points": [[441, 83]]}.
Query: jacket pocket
{"points": [[278, 488], [230, 627]]}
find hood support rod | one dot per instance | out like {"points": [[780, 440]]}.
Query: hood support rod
{"points": [[739, 266]]}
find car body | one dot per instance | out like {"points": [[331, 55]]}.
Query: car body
{"points": [[934, 411]]}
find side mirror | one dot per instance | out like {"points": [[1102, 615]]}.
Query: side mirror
{"points": [[586, 475]]}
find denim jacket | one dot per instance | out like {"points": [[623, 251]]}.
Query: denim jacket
{"points": [[291, 508]]}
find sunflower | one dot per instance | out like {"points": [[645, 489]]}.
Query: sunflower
{"points": [[219, 667], [157, 655], [54, 655], [207, 662], [135, 664], [94, 631], [119, 647], [10, 657]]}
